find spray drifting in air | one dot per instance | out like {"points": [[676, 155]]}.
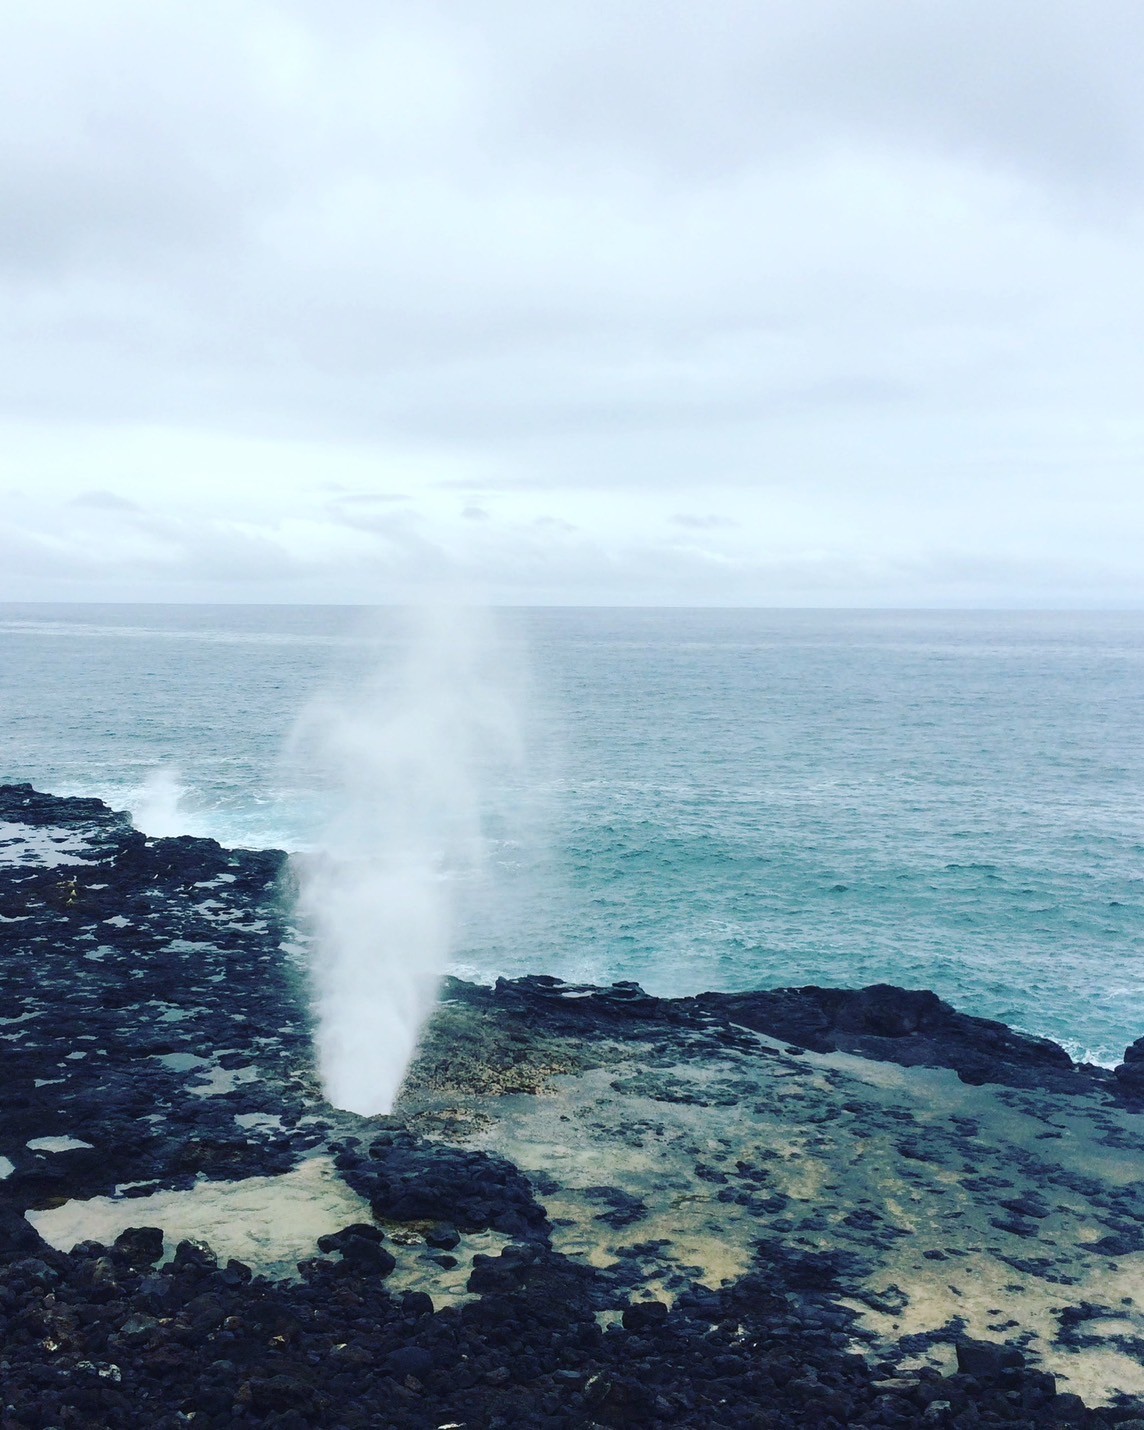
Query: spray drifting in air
{"points": [[410, 757], [156, 807]]}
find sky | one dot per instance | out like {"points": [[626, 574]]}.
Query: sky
{"points": [[803, 303]]}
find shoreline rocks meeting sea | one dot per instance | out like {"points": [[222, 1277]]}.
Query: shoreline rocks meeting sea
{"points": [[590, 1206]]}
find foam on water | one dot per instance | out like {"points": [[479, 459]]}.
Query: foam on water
{"points": [[156, 809]]}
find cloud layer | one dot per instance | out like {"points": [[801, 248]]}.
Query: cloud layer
{"points": [[813, 303]]}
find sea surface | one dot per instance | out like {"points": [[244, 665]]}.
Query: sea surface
{"points": [[697, 799]]}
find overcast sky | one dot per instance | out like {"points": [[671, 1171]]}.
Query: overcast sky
{"points": [[808, 303]]}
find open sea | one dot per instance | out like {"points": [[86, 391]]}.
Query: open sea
{"points": [[699, 799]]}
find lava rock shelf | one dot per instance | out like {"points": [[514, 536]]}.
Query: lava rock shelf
{"points": [[590, 1207]]}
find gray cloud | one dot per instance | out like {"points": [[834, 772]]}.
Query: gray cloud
{"points": [[369, 499], [104, 501], [860, 279], [699, 523]]}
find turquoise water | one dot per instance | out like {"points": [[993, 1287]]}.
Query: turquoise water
{"points": [[707, 799]]}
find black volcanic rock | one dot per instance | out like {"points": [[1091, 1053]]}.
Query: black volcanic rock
{"points": [[157, 1016], [404, 1180], [913, 1027], [987, 1361], [1130, 1074], [140, 1245]]}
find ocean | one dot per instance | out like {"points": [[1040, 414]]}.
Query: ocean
{"points": [[698, 799]]}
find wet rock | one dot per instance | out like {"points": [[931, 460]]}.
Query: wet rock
{"points": [[279, 1392], [409, 1360], [1014, 1226], [622, 1207], [442, 1238], [194, 1256], [416, 1303], [909, 1026], [236, 1273], [204, 1312], [501, 1274], [369, 1255], [986, 1360], [643, 1315], [624, 1401], [106, 1337], [1129, 1078], [1069, 1409], [136, 1331], [406, 1181], [1117, 1244], [1027, 1205], [361, 1230], [141, 1245], [155, 1294]]}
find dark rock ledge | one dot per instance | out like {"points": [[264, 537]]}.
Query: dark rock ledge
{"points": [[592, 1207]]}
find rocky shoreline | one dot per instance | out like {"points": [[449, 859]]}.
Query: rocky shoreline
{"points": [[801, 1207]]}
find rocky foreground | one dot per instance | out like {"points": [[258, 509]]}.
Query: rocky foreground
{"points": [[804, 1207]]}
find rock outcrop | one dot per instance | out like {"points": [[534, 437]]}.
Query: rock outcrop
{"points": [[804, 1207]]}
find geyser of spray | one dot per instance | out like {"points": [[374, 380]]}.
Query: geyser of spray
{"points": [[410, 757], [155, 807]]}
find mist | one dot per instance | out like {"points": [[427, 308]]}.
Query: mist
{"points": [[414, 753], [156, 806]]}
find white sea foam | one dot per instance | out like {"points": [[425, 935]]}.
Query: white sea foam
{"points": [[410, 753], [156, 805], [1101, 1057]]}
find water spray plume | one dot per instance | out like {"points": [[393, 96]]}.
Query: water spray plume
{"points": [[409, 757], [156, 805]]}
